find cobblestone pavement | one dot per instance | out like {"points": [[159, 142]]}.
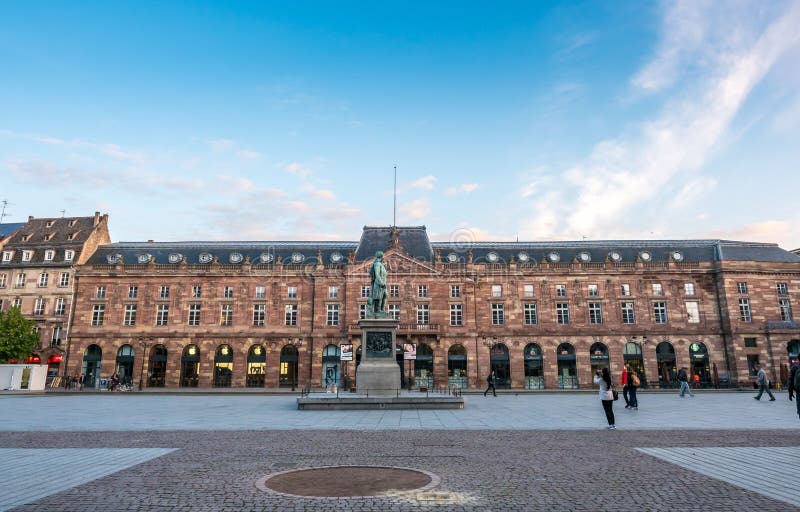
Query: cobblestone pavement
{"points": [[486, 470]]}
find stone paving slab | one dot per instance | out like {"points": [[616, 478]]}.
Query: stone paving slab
{"points": [[31, 474], [480, 470], [139, 412], [771, 471]]}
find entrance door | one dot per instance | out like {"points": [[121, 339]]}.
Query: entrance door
{"points": [[91, 365], [701, 372]]}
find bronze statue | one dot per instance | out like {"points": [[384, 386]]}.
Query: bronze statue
{"points": [[378, 296]]}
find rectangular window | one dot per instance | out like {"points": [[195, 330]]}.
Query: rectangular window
{"points": [[290, 314], [531, 318], [63, 280], [628, 313], [20, 281], [688, 289], [423, 314], [261, 292], [527, 291], [61, 306], [693, 312], [595, 313], [38, 307], [750, 343], [562, 313], [366, 291], [43, 278], [49, 255], [27, 255], [394, 290], [17, 303], [625, 290], [786, 310], [3, 278], [783, 289], [422, 291], [594, 291], [561, 290], [394, 311], [133, 292], [226, 315], [658, 291], [455, 291], [197, 292], [660, 312], [7, 255], [752, 362], [333, 314], [227, 292], [259, 315], [194, 314], [456, 314], [741, 287], [162, 314], [163, 292], [68, 255], [98, 314], [362, 311], [333, 292], [130, 315], [291, 292], [100, 292], [497, 290], [744, 310]]}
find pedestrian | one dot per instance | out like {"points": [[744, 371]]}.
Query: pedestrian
{"points": [[633, 384], [74, 382], [603, 379], [623, 381], [80, 382], [796, 385], [763, 384], [683, 378], [490, 381], [792, 374]]}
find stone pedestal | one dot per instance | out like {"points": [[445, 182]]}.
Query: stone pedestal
{"points": [[378, 374]]}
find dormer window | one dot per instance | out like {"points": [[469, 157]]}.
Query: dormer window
{"points": [[71, 236], [27, 237], [49, 255], [50, 223], [73, 222], [27, 255], [49, 236], [7, 255], [69, 254]]}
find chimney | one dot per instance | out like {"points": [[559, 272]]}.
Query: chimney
{"points": [[96, 218], [30, 218], [150, 241]]}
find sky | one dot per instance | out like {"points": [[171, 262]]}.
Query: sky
{"points": [[505, 120]]}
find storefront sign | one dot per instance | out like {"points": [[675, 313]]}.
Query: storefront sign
{"points": [[347, 353], [409, 351]]}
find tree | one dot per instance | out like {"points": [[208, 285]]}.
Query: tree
{"points": [[18, 337]]}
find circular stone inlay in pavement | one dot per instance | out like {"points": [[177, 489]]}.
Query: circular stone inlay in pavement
{"points": [[347, 481]]}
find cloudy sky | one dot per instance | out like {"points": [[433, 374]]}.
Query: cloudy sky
{"points": [[251, 121]]}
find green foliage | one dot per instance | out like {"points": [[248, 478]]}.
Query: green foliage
{"points": [[18, 338]]}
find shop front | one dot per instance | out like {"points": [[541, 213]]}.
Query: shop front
{"points": [[632, 355], [598, 358], [457, 367], [331, 369], [125, 360], [92, 358], [700, 370], [190, 366], [534, 367], [157, 367], [223, 367], [567, 367], [288, 367], [423, 367], [256, 367], [667, 366], [499, 360]]}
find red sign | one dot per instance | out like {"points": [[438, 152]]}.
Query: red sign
{"points": [[33, 360], [55, 358]]}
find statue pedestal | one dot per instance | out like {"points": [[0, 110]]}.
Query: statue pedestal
{"points": [[378, 374]]}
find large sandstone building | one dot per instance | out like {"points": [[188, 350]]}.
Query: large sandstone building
{"points": [[543, 315]]}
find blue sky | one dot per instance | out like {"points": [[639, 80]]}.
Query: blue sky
{"points": [[268, 121]]}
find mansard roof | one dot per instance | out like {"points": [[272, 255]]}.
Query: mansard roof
{"points": [[414, 242], [56, 233]]}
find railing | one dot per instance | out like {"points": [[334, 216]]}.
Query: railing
{"points": [[419, 327]]}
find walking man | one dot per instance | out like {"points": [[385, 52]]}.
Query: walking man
{"points": [[683, 378], [490, 381], [792, 374], [763, 384]]}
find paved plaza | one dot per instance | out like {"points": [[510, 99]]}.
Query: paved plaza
{"points": [[717, 451]]}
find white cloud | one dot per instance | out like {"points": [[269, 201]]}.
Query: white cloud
{"points": [[426, 183], [112, 150], [322, 193], [417, 209], [694, 189], [464, 187], [235, 183], [784, 233], [297, 168]]}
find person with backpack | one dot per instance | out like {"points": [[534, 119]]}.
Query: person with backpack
{"points": [[633, 384], [683, 378], [763, 384], [490, 381], [603, 379]]}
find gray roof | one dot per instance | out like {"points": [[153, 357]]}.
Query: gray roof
{"points": [[56, 233], [415, 243]]}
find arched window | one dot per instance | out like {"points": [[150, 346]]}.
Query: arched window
{"points": [[457, 367], [700, 368], [288, 368], [667, 367], [190, 366], [632, 354], [534, 371], [92, 360], [331, 367], [256, 367], [423, 367], [125, 363], [567, 366], [499, 360], [157, 367], [223, 366]]}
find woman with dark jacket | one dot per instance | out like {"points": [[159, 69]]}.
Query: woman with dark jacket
{"points": [[633, 384], [603, 379]]}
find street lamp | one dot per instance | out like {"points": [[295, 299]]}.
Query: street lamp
{"points": [[144, 343]]}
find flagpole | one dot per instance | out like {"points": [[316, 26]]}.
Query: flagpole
{"points": [[394, 211]]}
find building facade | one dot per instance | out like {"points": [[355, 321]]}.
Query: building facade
{"points": [[37, 275], [543, 315]]}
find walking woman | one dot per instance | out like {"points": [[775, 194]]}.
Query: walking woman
{"points": [[603, 379], [633, 384]]}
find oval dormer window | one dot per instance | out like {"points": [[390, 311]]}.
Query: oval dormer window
{"points": [[491, 257], [143, 258], [175, 257], [677, 255], [615, 256], [266, 257], [113, 258], [523, 257], [554, 257], [645, 256], [452, 257], [297, 257], [584, 257], [235, 257], [205, 257], [336, 257]]}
